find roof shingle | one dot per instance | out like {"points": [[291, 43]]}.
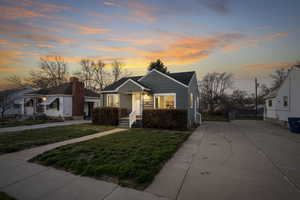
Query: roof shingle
{"points": [[63, 89], [182, 77]]}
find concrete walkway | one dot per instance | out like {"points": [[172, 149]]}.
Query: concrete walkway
{"points": [[37, 126], [237, 160], [29, 181]]}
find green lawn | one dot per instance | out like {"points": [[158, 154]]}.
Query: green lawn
{"points": [[4, 196], [13, 123], [11, 142], [130, 158]]}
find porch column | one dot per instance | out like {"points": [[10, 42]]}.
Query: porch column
{"points": [[22, 106], [45, 108], [142, 102]]}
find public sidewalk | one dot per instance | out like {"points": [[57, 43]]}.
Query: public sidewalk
{"points": [[46, 125]]}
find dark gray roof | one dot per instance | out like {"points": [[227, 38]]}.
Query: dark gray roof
{"points": [[183, 77], [11, 91], [63, 89], [116, 84]]}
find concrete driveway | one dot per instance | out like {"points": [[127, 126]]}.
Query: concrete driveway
{"points": [[236, 160]]}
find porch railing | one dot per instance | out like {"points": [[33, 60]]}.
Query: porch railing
{"points": [[199, 117], [132, 118]]}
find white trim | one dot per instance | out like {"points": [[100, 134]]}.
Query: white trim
{"points": [[192, 78], [191, 99], [134, 83], [165, 75], [164, 94], [116, 90], [113, 95]]}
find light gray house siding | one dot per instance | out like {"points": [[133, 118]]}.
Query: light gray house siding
{"points": [[161, 84], [193, 88], [130, 87]]}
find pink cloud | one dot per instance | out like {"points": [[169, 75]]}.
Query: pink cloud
{"points": [[254, 42]]}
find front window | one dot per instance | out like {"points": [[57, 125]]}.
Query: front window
{"points": [[165, 101], [113, 100], [270, 103], [54, 104], [285, 101]]}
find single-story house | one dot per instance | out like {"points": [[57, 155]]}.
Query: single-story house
{"points": [[11, 101], [155, 90], [67, 100], [284, 102]]}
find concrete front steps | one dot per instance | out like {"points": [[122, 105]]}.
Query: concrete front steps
{"points": [[124, 122]]}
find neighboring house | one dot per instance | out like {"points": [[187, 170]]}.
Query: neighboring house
{"points": [[67, 100], [155, 90], [284, 102], [11, 101]]}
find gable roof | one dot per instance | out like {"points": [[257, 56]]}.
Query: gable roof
{"points": [[12, 91], [118, 83], [63, 89], [182, 77]]}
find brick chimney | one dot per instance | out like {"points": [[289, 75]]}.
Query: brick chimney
{"points": [[78, 97]]}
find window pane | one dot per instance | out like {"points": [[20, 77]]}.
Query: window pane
{"points": [[113, 100], [165, 102], [285, 101]]}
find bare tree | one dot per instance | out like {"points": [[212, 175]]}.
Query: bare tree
{"points": [[52, 72], [94, 74], [213, 87], [238, 98], [117, 69], [17, 81], [87, 73], [6, 101], [101, 76], [278, 77]]}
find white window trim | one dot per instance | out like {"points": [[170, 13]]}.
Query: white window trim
{"points": [[191, 100], [164, 94], [118, 95]]}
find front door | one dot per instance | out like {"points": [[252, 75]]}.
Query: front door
{"points": [[136, 103]]}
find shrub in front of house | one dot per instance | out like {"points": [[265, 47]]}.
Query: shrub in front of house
{"points": [[108, 115], [174, 119]]}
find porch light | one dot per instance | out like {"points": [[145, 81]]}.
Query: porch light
{"points": [[44, 98], [146, 96]]}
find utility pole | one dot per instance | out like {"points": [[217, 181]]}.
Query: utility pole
{"points": [[256, 86]]}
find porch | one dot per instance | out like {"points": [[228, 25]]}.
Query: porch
{"points": [[136, 102]]}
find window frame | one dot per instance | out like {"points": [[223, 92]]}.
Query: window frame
{"points": [[191, 100], [164, 94], [113, 95], [285, 101], [270, 103], [54, 105]]}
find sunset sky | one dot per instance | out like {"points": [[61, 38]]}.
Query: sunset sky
{"points": [[246, 37]]}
